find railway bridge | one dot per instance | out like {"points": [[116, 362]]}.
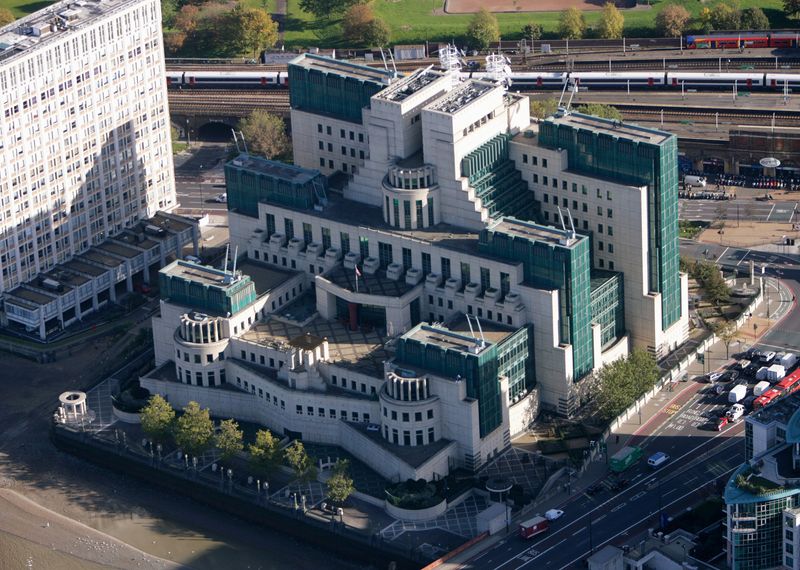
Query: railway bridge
{"points": [[211, 113]]}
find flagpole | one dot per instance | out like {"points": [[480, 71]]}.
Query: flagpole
{"points": [[356, 268]]}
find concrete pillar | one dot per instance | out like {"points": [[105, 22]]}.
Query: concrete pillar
{"points": [[129, 278], [42, 328], [112, 291], [146, 270]]}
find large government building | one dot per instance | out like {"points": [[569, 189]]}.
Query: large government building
{"points": [[84, 131], [432, 271]]}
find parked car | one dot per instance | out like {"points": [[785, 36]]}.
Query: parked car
{"points": [[767, 357], [735, 412], [618, 485], [714, 376], [594, 489], [722, 422], [193, 258]]}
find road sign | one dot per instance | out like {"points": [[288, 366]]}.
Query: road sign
{"points": [[769, 162]]}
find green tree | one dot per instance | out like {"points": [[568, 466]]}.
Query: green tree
{"points": [[727, 333], [601, 110], [6, 17], [360, 26], [671, 21], [298, 459], [542, 108], [158, 418], [255, 29], [174, 40], [195, 430], [726, 16], [622, 382], [483, 30], [754, 18], [709, 277], [265, 134], [169, 8], [532, 31], [264, 454], [612, 22], [571, 24], [340, 484], [326, 8], [705, 20], [229, 439], [791, 7]]}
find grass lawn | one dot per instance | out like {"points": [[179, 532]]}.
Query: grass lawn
{"points": [[413, 21]]}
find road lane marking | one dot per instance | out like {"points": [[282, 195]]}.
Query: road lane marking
{"points": [[770, 212], [668, 492], [601, 517], [721, 255], [742, 259], [577, 532], [534, 554], [625, 531], [618, 507]]}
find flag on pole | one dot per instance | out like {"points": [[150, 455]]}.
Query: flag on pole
{"points": [[358, 274]]}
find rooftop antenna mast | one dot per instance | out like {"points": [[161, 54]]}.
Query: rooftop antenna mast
{"points": [[236, 136], [571, 223], [383, 57], [480, 330], [497, 69], [225, 267], [391, 58], [450, 62], [561, 218], [235, 256]]}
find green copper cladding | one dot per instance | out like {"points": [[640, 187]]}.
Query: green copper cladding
{"points": [[623, 159], [204, 289]]}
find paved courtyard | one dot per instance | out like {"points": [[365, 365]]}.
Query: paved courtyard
{"points": [[458, 520], [521, 468]]}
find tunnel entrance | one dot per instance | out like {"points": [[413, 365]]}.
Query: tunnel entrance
{"points": [[215, 131]]}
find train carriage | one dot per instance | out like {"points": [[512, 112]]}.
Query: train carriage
{"points": [[235, 79], [700, 80], [783, 81], [618, 80], [538, 80]]}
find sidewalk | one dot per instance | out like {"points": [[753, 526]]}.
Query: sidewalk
{"points": [[632, 431]]}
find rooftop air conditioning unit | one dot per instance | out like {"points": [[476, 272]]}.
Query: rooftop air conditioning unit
{"points": [[371, 265], [351, 259], [413, 276], [394, 271]]}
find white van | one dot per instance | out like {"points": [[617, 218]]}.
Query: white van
{"points": [[193, 259], [658, 459]]}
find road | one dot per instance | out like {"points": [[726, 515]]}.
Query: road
{"points": [[200, 179], [683, 428], [735, 210]]}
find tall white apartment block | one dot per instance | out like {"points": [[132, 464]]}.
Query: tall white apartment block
{"points": [[84, 130]]}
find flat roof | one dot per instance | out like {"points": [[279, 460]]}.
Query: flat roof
{"points": [[203, 274], [81, 267], [34, 297], [377, 284], [358, 214], [265, 277], [27, 33], [140, 240], [611, 127], [168, 222], [536, 232], [461, 96], [781, 410], [363, 351], [66, 277], [407, 86], [98, 256], [118, 249], [447, 339], [494, 332], [273, 168], [344, 68]]}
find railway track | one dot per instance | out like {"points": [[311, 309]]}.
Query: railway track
{"points": [[233, 102]]}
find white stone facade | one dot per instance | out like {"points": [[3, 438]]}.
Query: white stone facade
{"points": [[84, 131]]}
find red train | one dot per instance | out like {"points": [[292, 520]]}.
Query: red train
{"points": [[743, 40]]}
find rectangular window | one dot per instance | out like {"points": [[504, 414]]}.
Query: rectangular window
{"points": [[420, 218], [344, 243], [407, 214], [396, 204], [431, 218], [431, 434], [600, 228], [546, 198], [419, 437], [610, 231], [544, 163], [384, 254], [445, 269], [310, 410], [307, 235], [270, 224], [341, 133], [326, 238], [524, 159], [486, 281], [534, 160], [505, 283], [464, 274], [609, 213], [426, 263], [363, 246], [406, 258], [288, 225], [299, 410]]}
